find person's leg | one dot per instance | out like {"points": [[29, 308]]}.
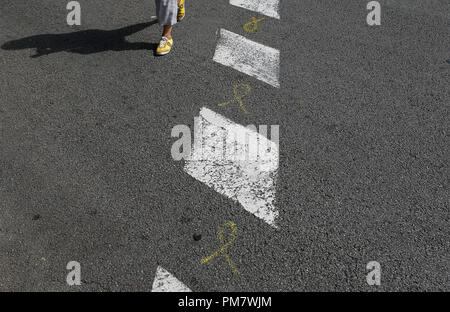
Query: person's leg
{"points": [[166, 11], [167, 31], [169, 12]]}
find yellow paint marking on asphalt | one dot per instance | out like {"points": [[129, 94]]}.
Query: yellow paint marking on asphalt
{"points": [[238, 96], [225, 245], [252, 26]]}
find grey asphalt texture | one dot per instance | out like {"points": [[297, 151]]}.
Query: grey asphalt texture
{"points": [[86, 114]]}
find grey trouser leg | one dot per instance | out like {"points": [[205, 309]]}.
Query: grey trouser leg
{"points": [[166, 11]]}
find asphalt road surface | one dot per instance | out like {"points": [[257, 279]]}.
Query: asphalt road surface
{"points": [[86, 114]]}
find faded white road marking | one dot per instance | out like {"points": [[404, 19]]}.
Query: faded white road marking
{"points": [[237, 162], [249, 57], [266, 7], [166, 282]]}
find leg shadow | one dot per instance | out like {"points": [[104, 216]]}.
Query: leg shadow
{"points": [[83, 42]]}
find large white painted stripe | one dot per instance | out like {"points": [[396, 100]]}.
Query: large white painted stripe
{"points": [[166, 282], [249, 57], [217, 161], [266, 7]]}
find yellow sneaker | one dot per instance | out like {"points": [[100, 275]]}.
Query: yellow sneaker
{"points": [[165, 45], [181, 10]]}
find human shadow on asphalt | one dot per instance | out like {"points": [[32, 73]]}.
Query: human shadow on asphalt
{"points": [[83, 42]]}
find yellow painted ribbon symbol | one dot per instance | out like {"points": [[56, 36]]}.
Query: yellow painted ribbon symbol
{"points": [[238, 97], [223, 249], [253, 25]]}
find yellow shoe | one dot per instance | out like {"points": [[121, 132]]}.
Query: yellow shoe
{"points": [[181, 10], [164, 47]]}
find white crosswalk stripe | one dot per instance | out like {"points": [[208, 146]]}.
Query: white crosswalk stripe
{"points": [[266, 7], [166, 282], [249, 57], [237, 162]]}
